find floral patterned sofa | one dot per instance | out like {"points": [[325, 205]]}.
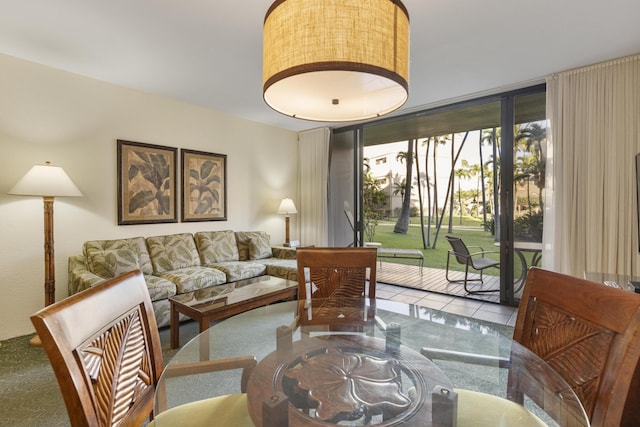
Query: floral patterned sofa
{"points": [[178, 263]]}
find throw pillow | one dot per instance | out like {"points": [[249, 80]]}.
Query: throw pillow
{"points": [[113, 262], [216, 246], [259, 247]]}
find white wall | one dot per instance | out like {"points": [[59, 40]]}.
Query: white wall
{"points": [[72, 121]]}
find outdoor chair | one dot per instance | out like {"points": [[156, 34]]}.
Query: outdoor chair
{"points": [[475, 260], [104, 347], [588, 333]]}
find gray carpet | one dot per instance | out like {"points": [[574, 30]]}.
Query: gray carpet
{"points": [[29, 393]]}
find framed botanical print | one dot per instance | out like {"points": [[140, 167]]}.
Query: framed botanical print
{"points": [[147, 177], [204, 186]]}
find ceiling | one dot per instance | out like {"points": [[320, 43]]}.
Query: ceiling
{"points": [[209, 53]]}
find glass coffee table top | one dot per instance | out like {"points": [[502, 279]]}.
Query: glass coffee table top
{"points": [[233, 293]]}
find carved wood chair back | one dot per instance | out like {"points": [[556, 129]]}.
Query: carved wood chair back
{"points": [[590, 334], [337, 276], [104, 347]]}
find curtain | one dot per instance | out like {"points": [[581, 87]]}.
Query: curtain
{"points": [[590, 219], [313, 176]]}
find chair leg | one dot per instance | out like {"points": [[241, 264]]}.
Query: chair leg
{"points": [[466, 274], [481, 291], [446, 274]]}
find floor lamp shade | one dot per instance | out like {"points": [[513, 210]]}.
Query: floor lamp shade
{"points": [[45, 180], [49, 182], [336, 60]]}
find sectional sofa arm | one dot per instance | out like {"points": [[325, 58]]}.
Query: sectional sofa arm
{"points": [[80, 278], [283, 253]]}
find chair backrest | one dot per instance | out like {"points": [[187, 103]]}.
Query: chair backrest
{"points": [[460, 250], [104, 347], [336, 272], [590, 334], [338, 282]]}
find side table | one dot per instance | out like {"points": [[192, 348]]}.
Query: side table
{"points": [[622, 281]]}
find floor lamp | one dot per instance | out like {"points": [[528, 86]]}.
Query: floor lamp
{"points": [[287, 207], [48, 182]]}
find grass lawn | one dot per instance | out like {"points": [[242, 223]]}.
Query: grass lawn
{"points": [[470, 231]]}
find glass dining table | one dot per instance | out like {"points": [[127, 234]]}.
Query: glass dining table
{"points": [[369, 362]]}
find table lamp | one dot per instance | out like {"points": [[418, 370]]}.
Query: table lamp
{"points": [[49, 182], [287, 208]]}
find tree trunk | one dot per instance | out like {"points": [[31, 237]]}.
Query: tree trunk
{"points": [[420, 204], [426, 175], [402, 225], [453, 139]]}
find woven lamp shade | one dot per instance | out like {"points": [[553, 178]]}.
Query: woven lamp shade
{"points": [[336, 60]]}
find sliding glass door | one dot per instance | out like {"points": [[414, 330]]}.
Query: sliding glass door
{"points": [[473, 170]]}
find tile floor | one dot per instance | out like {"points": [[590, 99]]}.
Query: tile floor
{"points": [[487, 311]]}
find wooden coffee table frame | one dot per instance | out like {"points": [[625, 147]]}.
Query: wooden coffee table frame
{"points": [[219, 309]]}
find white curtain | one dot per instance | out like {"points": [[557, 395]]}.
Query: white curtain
{"points": [[313, 176], [590, 221]]}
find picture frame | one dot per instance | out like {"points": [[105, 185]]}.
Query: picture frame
{"points": [[147, 183], [204, 186]]}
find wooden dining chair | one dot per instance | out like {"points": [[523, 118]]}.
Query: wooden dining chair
{"points": [[336, 278], [476, 260], [104, 347], [588, 333]]}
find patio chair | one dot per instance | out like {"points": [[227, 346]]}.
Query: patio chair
{"points": [[104, 347], [587, 332], [475, 260]]}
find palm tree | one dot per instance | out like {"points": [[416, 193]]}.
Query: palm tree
{"points": [[493, 137], [534, 137], [400, 188], [437, 140], [463, 172], [454, 160], [427, 143], [402, 224]]}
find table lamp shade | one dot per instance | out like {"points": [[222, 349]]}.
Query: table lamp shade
{"points": [[46, 181], [287, 207]]}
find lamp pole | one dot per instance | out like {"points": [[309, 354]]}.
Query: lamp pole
{"points": [[287, 242], [49, 256], [287, 207]]}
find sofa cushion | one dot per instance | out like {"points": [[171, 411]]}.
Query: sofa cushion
{"points": [[111, 263], [259, 247], [172, 252], [159, 288], [243, 239], [189, 279], [240, 270], [216, 246], [137, 244]]}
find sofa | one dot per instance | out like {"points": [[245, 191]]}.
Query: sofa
{"points": [[178, 263]]}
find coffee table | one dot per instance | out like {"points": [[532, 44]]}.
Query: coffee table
{"points": [[222, 301]]}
